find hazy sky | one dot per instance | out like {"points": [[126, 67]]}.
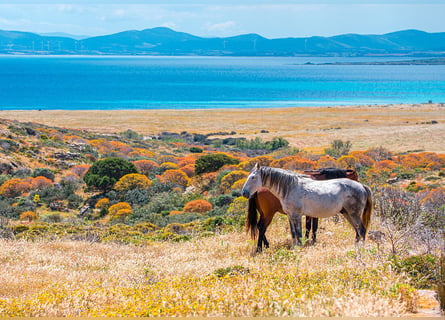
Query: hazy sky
{"points": [[270, 18]]}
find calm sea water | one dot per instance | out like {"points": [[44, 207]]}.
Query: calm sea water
{"points": [[36, 82]]}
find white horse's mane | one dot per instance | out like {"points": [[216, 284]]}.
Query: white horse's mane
{"points": [[281, 180]]}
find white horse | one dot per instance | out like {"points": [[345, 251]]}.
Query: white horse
{"points": [[302, 196]]}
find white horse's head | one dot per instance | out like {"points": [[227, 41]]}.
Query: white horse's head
{"points": [[253, 182]]}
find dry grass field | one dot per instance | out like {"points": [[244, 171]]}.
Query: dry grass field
{"points": [[332, 278], [219, 274], [395, 127]]}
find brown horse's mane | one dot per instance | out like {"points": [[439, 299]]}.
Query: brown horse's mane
{"points": [[283, 181]]}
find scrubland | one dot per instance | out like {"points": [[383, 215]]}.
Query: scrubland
{"points": [[165, 237]]}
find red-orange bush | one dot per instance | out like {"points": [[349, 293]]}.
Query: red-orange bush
{"points": [[14, 188], [189, 170], [198, 206], [28, 216], [40, 183], [175, 176], [362, 158], [385, 165], [146, 167]]}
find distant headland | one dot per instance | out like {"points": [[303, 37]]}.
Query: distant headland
{"points": [[164, 41]]}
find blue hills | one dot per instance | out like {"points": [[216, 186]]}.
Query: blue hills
{"points": [[164, 41]]}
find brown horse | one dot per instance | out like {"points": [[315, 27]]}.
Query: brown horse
{"points": [[267, 205]]}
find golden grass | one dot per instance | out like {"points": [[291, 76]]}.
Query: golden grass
{"points": [[395, 127], [332, 278]]}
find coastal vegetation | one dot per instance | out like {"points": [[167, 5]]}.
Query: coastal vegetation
{"points": [[127, 224]]}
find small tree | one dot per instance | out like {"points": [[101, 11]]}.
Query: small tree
{"points": [[213, 162], [338, 148], [103, 174]]}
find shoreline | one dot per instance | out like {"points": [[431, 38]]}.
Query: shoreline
{"points": [[398, 127]]}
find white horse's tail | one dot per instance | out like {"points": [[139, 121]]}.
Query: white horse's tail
{"points": [[366, 217]]}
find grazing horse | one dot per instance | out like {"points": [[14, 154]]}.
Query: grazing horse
{"points": [[266, 204], [300, 196]]}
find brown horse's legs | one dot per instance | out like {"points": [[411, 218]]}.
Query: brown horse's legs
{"points": [[314, 230], [261, 235], [311, 224], [308, 226]]}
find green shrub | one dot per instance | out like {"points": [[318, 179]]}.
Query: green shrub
{"points": [[43, 172], [422, 270], [223, 200], [103, 174], [138, 197], [213, 162], [231, 271], [131, 134], [195, 150]]}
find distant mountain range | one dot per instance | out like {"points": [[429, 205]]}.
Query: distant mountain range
{"points": [[164, 41]]}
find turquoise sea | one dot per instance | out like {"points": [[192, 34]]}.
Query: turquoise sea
{"points": [[97, 82]]}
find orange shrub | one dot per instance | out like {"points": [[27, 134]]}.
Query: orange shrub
{"points": [[186, 161], [385, 165], [14, 187], [115, 208], [102, 203], [139, 152], [169, 165], [198, 206], [326, 162], [175, 212], [146, 167], [189, 170], [346, 162], [40, 183], [175, 176], [249, 164], [229, 179], [132, 181], [362, 158], [29, 216], [293, 163]]}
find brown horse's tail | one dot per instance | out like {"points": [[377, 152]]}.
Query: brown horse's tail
{"points": [[252, 217], [366, 218]]}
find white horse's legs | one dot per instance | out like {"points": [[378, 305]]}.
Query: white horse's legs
{"points": [[356, 222], [295, 229]]}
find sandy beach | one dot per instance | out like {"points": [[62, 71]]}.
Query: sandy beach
{"points": [[396, 127]]}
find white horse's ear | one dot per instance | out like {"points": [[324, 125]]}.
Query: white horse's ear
{"points": [[257, 166]]}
